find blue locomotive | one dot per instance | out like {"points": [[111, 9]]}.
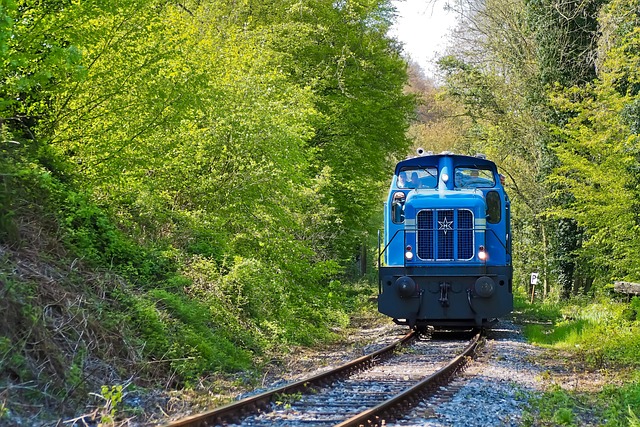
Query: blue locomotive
{"points": [[445, 258]]}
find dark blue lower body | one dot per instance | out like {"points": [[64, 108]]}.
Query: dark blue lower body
{"points": [[446, 296]]}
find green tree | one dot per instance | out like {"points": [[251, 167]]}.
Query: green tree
{"points": [[492, 72], [598, 151], [509, 55], [357, 76], [239, 147]]}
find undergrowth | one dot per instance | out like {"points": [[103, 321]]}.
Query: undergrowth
{"points": [[592, 336], [85, 307]]}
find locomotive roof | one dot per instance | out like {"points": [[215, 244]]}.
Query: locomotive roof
{"points": [[434, 160]]}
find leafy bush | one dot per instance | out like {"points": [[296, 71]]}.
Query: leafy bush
{"points": [[277, 306], [630, 313]]}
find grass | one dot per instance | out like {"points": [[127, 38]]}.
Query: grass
{"points": [[597, 338], [539, 313]]}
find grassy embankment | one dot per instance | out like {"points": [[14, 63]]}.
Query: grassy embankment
{"points": [[597, 343], [91, 320]]}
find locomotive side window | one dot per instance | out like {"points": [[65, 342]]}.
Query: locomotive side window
{"points": [[397, 208], [494, 207], [470, 177], [410, 178]]}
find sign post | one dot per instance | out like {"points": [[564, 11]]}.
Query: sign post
{"points": [[534, 282]]}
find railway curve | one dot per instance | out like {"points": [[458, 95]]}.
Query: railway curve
{"points": [[370, 390]]}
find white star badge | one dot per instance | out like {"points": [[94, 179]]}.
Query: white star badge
{"points": [[445, 225]]}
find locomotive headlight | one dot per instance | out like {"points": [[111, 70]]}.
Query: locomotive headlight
{"points": [[482, 254], [445, 177], [408, 255]]}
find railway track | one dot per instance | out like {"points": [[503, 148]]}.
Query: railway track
{"points": [[370, 390]]}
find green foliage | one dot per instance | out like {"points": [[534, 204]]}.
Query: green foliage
{"points": [[634, 421], [564, 416], [199, 174], [597, 143], [9, 232], [11, 358], [564, 38], [553, 407], [287, 400], [596, 336], [230, 313], [112, 396], [91, 233], [149, 324], [282, 308], [567, 333], [551, 93], [598, 332], [547, 311], [630, 313], [615, 405], [16, 308], [622, 403], [182, 335], [496, 81]]}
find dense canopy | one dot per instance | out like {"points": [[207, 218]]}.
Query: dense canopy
{"points": [[225, 159]]}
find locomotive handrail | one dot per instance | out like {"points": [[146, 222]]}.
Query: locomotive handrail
{"points": [[381, 253], [387, 245]]}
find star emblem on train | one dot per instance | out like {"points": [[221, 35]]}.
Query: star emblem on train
{"points": [[445, 225]]}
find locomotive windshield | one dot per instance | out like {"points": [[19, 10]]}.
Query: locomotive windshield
{"points": [[418, 178], [471, 177]]}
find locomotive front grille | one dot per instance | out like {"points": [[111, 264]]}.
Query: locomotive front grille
{"points": [[445, 234]]}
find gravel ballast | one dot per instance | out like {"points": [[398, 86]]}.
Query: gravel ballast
{"points": [[494, 389]]}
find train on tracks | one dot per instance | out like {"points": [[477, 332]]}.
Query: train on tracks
{"points": [[445, 253]]}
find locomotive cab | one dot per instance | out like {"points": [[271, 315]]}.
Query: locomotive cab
{"points": [[446, 249]]}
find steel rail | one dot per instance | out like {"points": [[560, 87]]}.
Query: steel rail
{"points": [[387, 411], [253, 404]]}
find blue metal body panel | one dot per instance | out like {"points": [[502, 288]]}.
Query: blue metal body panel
{"points": [[446, 257]]}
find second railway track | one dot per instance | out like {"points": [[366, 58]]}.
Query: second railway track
{"points": [[369, 391]]}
